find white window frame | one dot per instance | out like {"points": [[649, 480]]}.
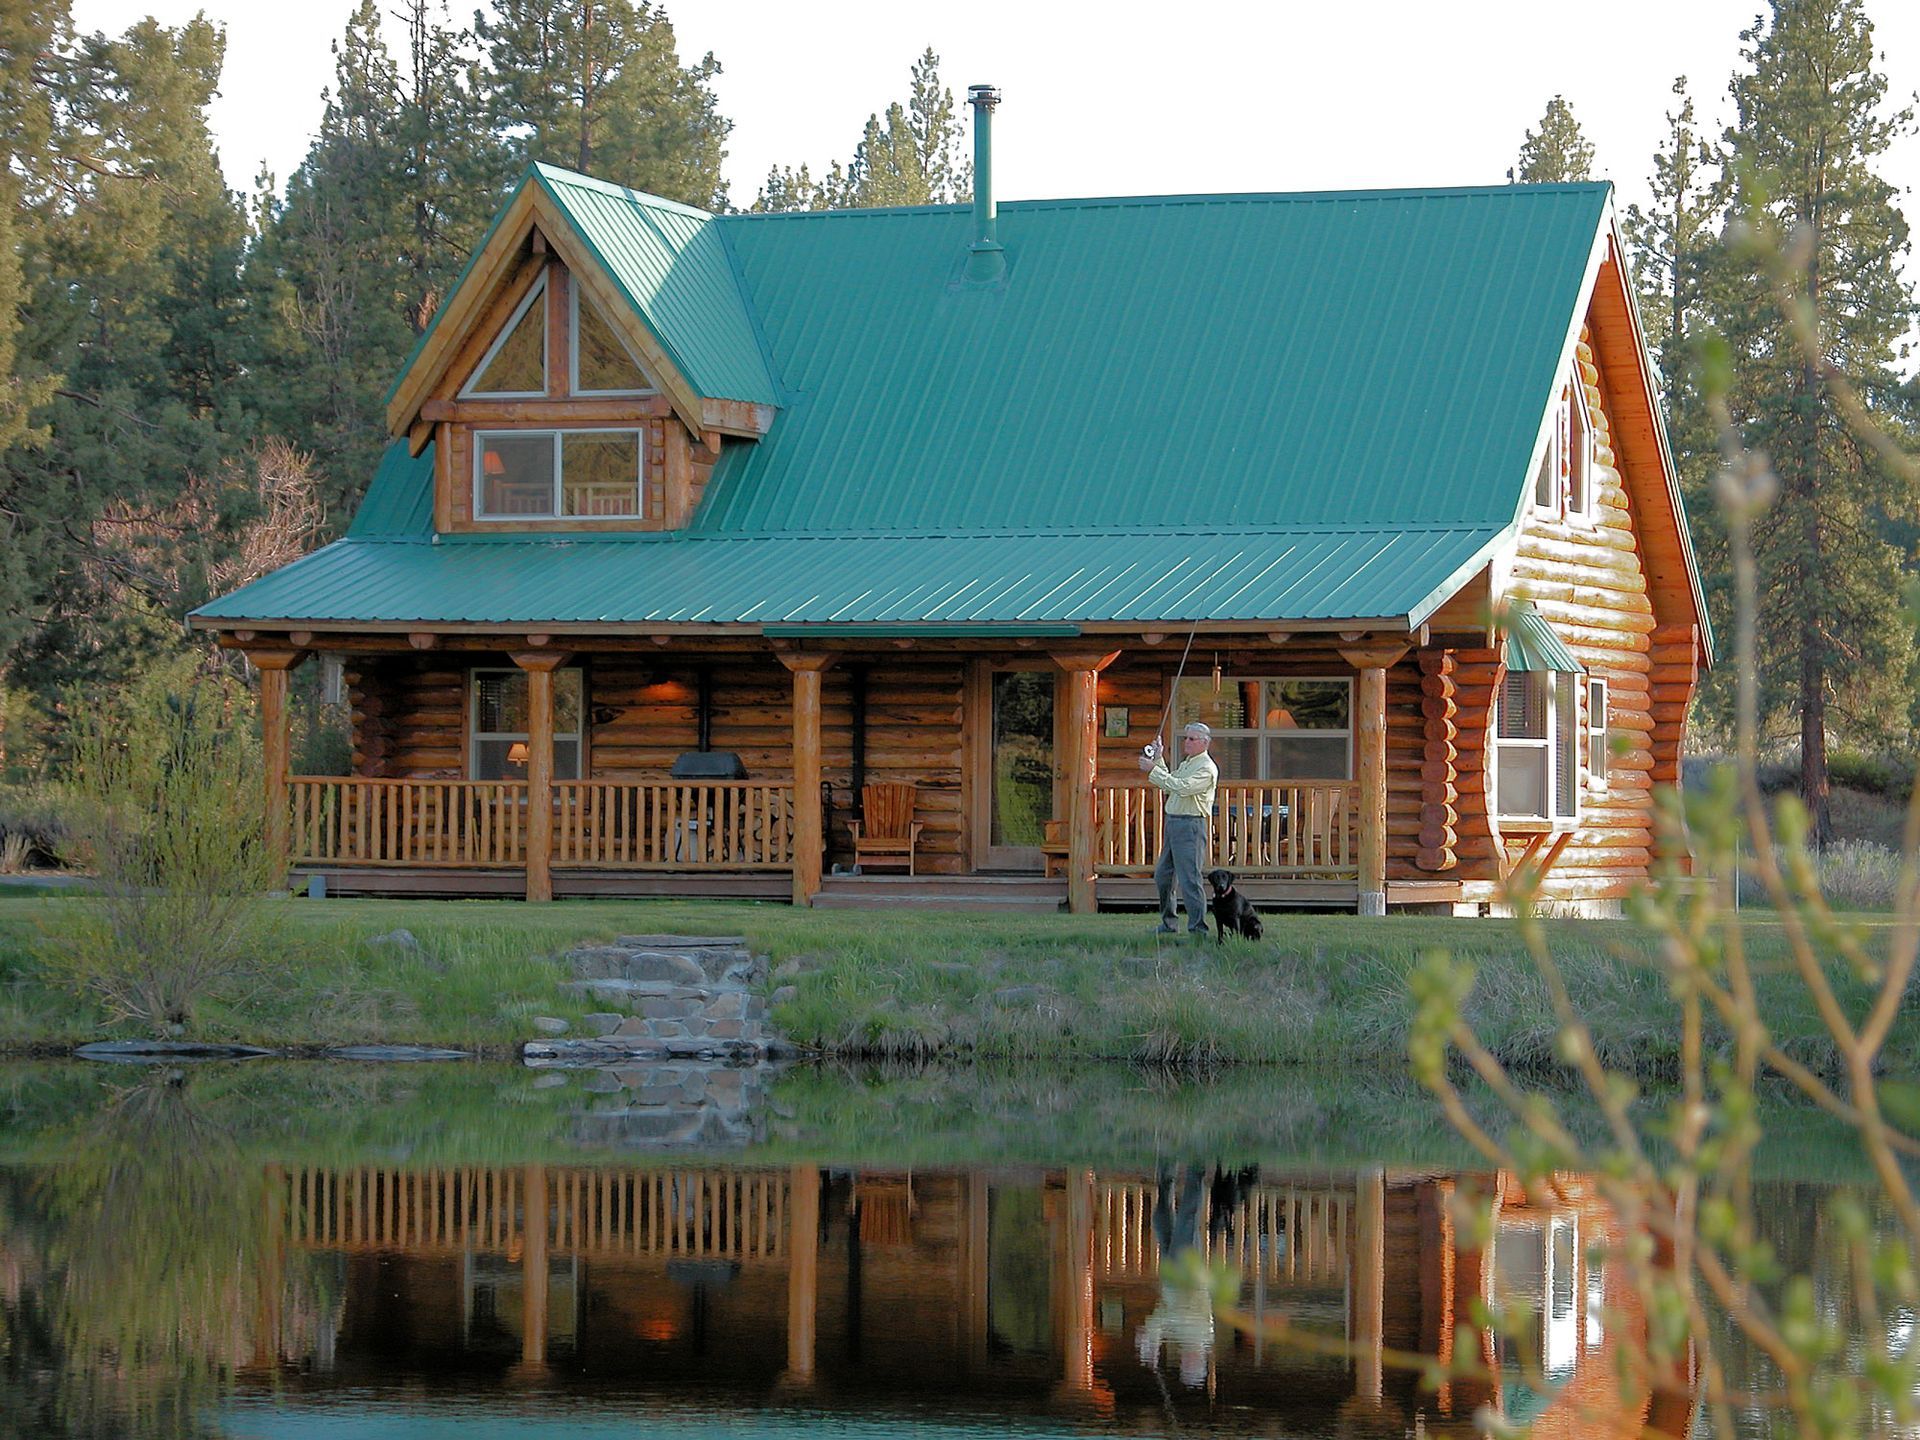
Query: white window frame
{"points": [[573, 348], [1550, 748], [536, 294], [1549, 465], [1599, 736], [1262, 734], [559, 434], [475, 734], [1579, 469]]}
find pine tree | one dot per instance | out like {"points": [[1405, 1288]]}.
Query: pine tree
{"points": [[597, 86], [1557, 151], [916, 155], [130, 247], [1810, 127], [349, 267], [1676, 248]]}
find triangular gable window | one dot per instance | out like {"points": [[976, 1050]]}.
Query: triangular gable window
{"points": [[602, 363], [517, 363]]}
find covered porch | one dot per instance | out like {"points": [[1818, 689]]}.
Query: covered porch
{"points": [[1020, 757]]}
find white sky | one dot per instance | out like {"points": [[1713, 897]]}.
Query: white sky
{"points": [[1124, 97]]}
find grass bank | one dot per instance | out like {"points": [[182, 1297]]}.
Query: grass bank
{"points": [[1322, 990]]}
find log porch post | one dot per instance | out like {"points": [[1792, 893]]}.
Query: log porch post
{"points": [[1369, 1284], [808, 850], [1082, 760], [540, 665], [534, 1277], [803, 1269], [1371, 660], [276, 747]]}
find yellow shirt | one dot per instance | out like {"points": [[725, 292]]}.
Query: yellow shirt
{"points": [[1190, 788]]}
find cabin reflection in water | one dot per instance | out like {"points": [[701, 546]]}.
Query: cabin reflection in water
{"points": [[995, 1291]]}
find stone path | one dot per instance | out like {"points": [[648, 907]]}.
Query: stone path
{"points": [[663, 997]]}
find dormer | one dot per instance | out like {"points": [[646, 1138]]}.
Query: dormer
{"points": [[589, 365]]}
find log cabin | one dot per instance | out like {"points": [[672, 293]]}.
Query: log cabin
{"points": [[694, 528]]}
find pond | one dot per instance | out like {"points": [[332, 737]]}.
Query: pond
{"points": [[294, 1250]]}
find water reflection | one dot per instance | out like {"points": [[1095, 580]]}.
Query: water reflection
{"points": [[162, 1289]]}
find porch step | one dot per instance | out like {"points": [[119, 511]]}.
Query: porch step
{"points": [[1004, 894]]}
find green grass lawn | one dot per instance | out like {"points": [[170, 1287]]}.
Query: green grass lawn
{"points": [[1324, 990]]}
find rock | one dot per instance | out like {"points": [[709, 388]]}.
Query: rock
{"points": [[784, 994], [603, 1022], [730, 1006], [550, 1025], [549, 1080], [680, 942], [636, 1028], [661, 1007], [664, 965], [601, 1082], [725, 1030], [400, 939], [393, 1052], [143, 1050], [789, 968]]}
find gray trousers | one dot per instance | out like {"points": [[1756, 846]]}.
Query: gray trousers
{"points": [[1180, 857]]}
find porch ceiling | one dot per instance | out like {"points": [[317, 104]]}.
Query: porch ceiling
{"points": [[1163, 577]]}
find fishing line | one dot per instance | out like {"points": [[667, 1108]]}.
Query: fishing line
{"points": [[1160, 736]]}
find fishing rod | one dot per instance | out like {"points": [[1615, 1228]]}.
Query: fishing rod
{"points": [[1159, 744]]}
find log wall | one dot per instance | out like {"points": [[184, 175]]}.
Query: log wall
{"points": [[1591, 585]]}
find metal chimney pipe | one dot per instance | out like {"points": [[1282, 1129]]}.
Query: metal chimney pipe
{"points": [[986, 258]]}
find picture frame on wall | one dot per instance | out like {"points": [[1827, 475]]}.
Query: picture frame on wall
{"points": [[1118, 722]]}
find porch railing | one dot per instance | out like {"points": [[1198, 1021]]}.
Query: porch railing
{"points": [[611, 824], [1278, 828], [356, 821], [673, 824]]}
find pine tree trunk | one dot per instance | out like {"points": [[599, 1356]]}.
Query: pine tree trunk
{"points": [[1814, 786]]}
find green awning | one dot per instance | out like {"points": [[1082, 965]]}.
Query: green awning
{"points": [[1532, 645]]}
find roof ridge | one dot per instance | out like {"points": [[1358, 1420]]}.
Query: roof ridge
{"points": [[1224, 197], [560, 175]]}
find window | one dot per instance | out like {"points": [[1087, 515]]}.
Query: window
{"points": [[1579, 455], [517, 363], [498, 725], [602, 364], [1598, 741], [1546, 480], [557, 474], [1537, 758], [1273, 729]]}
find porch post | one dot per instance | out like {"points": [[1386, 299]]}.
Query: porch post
{"points": [[1370, 763], [803, 1268], [540, 665], [1369, 1283], [1082, 761], [275, 747], [807, 847]]}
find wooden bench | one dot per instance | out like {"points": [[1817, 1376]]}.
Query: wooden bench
{"points": [[888, 833]]}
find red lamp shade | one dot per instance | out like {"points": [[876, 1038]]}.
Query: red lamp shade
{"points": [[493, 464]]}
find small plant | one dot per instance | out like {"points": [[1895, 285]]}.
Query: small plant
{"points": [[165, 800]]}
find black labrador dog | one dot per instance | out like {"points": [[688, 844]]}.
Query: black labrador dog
{"points": [[1231, 910]]}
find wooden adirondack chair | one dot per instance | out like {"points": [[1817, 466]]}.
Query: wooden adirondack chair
{"points": [[889, 833]]}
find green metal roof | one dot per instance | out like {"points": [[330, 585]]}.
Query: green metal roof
{"points": [[869, 580], [399, 502], [1373, 359], [1247, 407], [672, 264], [1532, 645]]}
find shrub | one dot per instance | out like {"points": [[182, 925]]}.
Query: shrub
{"points": [[32, 826], [165, 799]]}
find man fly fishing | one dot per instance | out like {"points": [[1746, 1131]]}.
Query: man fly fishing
{"points": [[1189, 806]]}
